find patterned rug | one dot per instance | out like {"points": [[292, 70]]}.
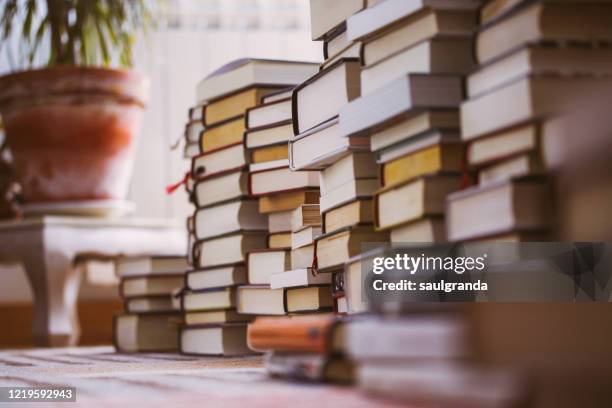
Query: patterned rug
{"points": [[104, 378]]}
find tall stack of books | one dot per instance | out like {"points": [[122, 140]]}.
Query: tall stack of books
{"points": [[347, 170], [537, 59], [280, 192], [152, 316], [227, 223], [414, 54]]}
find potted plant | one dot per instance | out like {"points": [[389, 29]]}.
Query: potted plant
{"points": [[72, 126]]}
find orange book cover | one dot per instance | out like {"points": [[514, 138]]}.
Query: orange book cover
{"points": [[308, 334]]}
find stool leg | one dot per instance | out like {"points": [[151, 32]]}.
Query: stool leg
{"points": [[55, 286]]}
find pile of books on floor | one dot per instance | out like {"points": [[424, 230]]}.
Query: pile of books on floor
{"points": [[536, 60], [152, 314], [280, 280], [227, 223]]}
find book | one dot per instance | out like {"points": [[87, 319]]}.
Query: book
{"points": [[356, 212], [268, 136], [406, 338], [305, 334], [353, 190], [430, 229], [193, 129], [410, 201], [214, 316], [544, 21], [497, 208], [215, 277], [324, 19], [233, 106], [150, 285], [260, 300], [370, 21], [421, 383], [299, 278], [222, 135], [441, 158], [196, 113], [351, 52], [353, 277], [336, 44], [302, 257], [228, 249], [287, 201], [146, 332], [283, 93], [218, 188], [401, 98], [540, 58], [357, 165], [243, 73], [305, 236], [263, 263], [280, 221], [270, 153], [269, 114], [279, 240], [280, 180], [309, 299], [150, 265], [533, 97], [441, 120], [418, 143], [334, 249], [320, 98], [311, 367], [242, 215], [270, 165], [150, 304], [206, 300], [218, 161], [227, 339], [322, 146], [435, 56], [306, 215], [512, 168], [512, 142]]}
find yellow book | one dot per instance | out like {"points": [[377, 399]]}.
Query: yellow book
{"points": [[435, 159], [270, 153], [233, 105], [353, 213], [279, 240], [287, 201], [222, 135]]}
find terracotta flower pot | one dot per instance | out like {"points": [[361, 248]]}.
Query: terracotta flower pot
{"points": [[72, 131]]}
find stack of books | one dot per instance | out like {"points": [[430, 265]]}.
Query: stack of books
{"points": [[348, 175], [193, 128], [414, 54], [281, 192], [424, 358], [536, 60], [152, 316], [227, 223], [307, 348]]}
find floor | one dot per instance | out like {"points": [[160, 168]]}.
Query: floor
{"points": [[104, 378]]}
